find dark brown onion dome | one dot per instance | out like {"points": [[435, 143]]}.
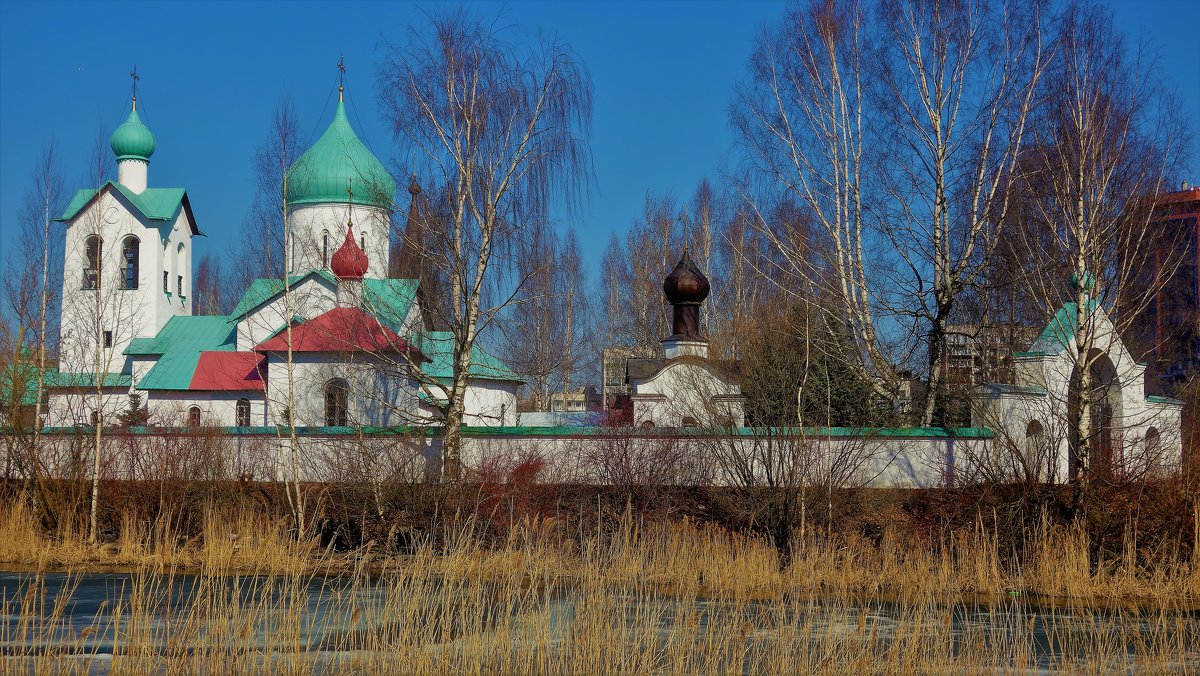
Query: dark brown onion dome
{"points": [[686, 285], [349, 261]]}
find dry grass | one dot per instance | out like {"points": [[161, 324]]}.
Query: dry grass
{"points": [[670, 597], [230, 542], [671, 557]]}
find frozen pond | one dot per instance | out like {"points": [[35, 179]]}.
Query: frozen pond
{"points": [[83, 620]]}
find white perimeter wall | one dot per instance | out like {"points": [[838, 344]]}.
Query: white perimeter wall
{"points": [[618, 459]]}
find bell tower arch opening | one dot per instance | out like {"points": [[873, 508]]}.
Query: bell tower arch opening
{"points": [[1094, 409]]}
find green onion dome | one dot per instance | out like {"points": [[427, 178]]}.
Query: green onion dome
{"points": [[336, 161], [133, 140]]}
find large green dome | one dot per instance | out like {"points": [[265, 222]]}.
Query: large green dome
{"points": [[337, 160], [133, 140]]}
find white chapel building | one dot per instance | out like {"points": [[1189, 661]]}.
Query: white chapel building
{"points": [[362, 353], [1138, 434]]}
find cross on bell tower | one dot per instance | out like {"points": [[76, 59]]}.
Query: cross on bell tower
{"points": [[133, 75]]}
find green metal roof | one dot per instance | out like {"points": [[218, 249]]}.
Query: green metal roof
{"points": [[133, 140], [1086, 283], [25, 375], [1059, 334], [1156, 399], [180, 343], [439, 347], [143, 346], [57, 380], [339, 160], [153, 204], [430, 399], [264, 290], [389, 300]]}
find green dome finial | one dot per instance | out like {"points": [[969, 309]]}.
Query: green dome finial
{"points": [[133, 140], [1087, 284], [336, 160]]}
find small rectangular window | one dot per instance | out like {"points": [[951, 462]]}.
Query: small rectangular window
{"points": [[166, 282], [243, 413], [179, 284], [108, 339]]}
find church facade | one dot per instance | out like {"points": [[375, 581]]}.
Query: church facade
{"points": [[349, 355], [337, 343]]}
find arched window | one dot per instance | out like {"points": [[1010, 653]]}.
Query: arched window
{"points": [[95, 418], [1153, 442], [336, 394], [129, 262], [180, 254], [503, 414], [242, 413], [94, 247], [1035, 437], [688, 421], [647, 424], [194, 417], [325, 249], [362, 240]]}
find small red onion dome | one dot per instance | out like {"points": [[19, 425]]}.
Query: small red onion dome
{"points": [[349, 261], [686, 285]]}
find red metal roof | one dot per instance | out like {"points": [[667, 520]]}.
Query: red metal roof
{"points": [[342, 329], [229, 372]]}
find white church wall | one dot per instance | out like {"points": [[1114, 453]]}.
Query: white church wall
{"points": [[380, 391], [1010, 413], [683, 389], [68, 408], [178, 247], [217, 409], [140, 365], [490, 403], [307, 224], [126, 313], [1026, 425], [309, 298]]}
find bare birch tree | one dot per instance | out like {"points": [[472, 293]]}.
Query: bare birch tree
{"points": [[503, 128], [32, 294], [1108, 141], [958, 85], [915, 162], [637, 311], [802, 119]]}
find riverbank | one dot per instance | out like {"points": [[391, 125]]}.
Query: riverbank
{"points": [[670, 557]]}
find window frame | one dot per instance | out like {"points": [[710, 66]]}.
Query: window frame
{"points": [[130, 265], [241, 413], [337, 402], [92, 258]]}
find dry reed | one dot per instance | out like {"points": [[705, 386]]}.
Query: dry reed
{"points": [[637, 597]]}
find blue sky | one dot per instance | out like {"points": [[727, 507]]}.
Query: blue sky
{"points": [[212, 73]]}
